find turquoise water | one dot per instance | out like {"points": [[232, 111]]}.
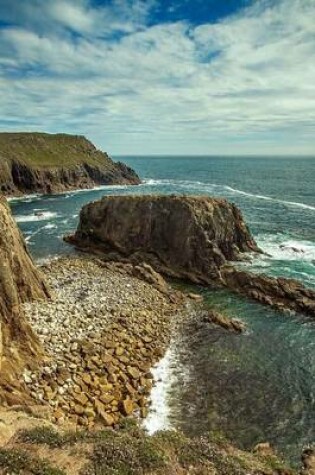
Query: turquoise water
{"points": [[255, 387]]}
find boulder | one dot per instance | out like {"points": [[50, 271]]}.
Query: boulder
{"points": [[188, 237], [20, 282]]}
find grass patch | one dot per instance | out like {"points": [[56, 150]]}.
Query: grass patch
{"points": [[20, 462]]}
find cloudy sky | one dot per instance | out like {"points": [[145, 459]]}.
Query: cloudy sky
{"points": [[162, 76]]}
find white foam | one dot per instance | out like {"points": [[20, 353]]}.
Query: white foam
{"points": [[35, 217], [216, 187], [26, 198], [158, 416], [287, 249], [268, 198], [50, 226]]}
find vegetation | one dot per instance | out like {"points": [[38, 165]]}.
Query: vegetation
{"points": [[40, 150], [129, 451], [20, 462]]}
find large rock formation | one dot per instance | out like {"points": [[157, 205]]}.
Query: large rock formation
{"points": [[45, 163], [19, 282], [187, 237], [180, 236]]}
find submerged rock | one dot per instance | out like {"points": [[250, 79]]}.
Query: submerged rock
{"points": [[187, 237], [20, 281]]}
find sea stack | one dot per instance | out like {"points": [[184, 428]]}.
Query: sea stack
{"points": [[20, 282], [50, 163], [188, 237]]}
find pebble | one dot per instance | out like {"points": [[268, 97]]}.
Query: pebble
{"points": [[103, 330]]}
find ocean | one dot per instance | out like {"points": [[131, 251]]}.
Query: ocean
{"points": [[255, 387]]}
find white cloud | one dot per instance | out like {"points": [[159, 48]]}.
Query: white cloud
{"points": [[169, 87]]}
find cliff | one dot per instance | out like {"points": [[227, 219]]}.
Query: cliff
{"points": [[188, 237], [19, 282], [46, 163]]}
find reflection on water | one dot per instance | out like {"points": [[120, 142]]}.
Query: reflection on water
{"points": [[259, 386]]}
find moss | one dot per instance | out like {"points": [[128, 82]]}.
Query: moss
{"points": [[21, 463]]}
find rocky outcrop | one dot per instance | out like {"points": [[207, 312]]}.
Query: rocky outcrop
{"points": [[187, 237], [19, 282], [44, 163], [277, 292]]}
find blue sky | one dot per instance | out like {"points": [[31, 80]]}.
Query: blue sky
{"points": [[162, 77]]}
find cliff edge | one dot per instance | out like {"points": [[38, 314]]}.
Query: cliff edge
{"points": [[20, 282], [48, 163]]}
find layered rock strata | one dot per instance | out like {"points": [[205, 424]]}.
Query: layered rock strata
{"points": [[20, 282], [45, 163]]}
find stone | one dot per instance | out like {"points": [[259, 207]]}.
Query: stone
{"points": [[127, 407], [107, 419]]}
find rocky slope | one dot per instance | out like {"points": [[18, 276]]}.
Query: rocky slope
{"points": [[45, 163], [180, 236], [187, 237], [20, 282]]}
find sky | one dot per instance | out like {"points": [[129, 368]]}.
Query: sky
{"points": [[192, 77]]}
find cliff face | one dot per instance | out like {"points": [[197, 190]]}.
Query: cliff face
{"points": [[44, 163], [19, 282], [186, 237]]}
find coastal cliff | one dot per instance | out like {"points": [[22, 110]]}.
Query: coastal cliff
{"points": [[187, 237], [47, 163], [20, 282]]}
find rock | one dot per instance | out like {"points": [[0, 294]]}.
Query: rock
{"points": [[70, 162], [264, 449], [181, 236], [107, 419], [277, 292], [20, 282], [225, 322], [127, 407], [308, 460]]}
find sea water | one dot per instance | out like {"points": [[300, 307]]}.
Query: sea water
{"points": [[253, 387]]}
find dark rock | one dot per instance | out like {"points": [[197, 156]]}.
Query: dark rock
{"points": [[180, 236], [279, 293]]}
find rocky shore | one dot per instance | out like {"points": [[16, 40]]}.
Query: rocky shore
{"points": [[102, 331]]}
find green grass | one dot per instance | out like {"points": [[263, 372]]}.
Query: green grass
{"points": [[41, 150]]}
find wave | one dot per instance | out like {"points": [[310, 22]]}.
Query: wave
{"points": [[217, 187], [269, 198], [279, 247], [27, 218]]}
